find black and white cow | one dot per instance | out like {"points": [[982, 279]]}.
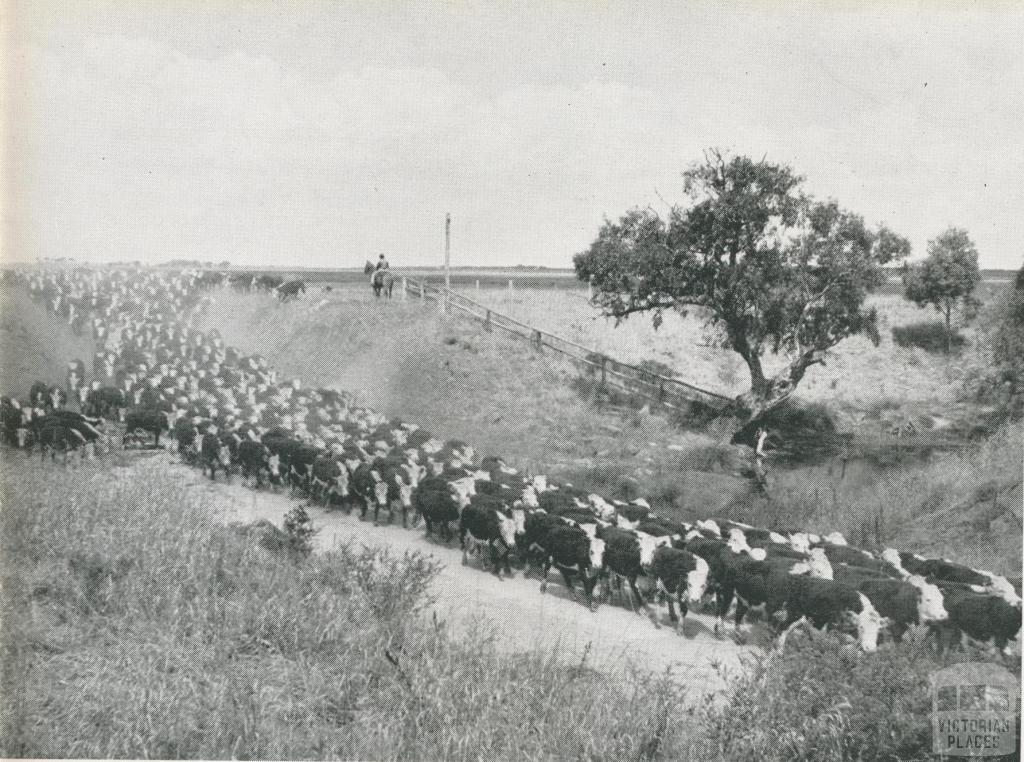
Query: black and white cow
{"points": [[681, 575], [484, 526], [153, 422], [256, 459], [573, 552], [214, 454]]}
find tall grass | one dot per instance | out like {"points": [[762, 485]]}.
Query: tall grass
{"points": [[134, 625], [822, 701]]}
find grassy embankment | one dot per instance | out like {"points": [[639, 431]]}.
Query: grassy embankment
{"points": [[135, 625], [498, 393]]}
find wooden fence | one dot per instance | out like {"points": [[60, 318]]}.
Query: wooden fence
{"points": [[663, 390]]}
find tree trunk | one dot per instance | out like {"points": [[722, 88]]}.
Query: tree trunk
{"points": [[948, 337], [766, 394]]}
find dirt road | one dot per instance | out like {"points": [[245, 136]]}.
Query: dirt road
{"points": [[514, 609]]}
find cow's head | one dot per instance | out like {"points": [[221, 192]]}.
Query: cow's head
{"points": [[507, 530], [596, 553], [341, 481], [892, 557], [519, 517], [22, 434], [869, 623], [697, 580], [818, 564], [931, 605], [799, 541], [404, 491], [274, 465], [380, 493]]}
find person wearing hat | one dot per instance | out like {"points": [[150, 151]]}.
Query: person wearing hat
{"points": [[382, 264]]}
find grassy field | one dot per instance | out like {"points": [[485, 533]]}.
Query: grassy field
{"points": [[857, 378]]}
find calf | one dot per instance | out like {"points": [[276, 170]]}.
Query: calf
{"points": [[571, 550], [679, 574], [485, 526]]}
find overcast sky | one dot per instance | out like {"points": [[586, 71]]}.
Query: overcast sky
{"points": [[323, 134]]}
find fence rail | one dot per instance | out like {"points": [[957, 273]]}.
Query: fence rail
{"points": [[664, 390]]}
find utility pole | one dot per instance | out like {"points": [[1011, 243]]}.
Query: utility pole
{"points": [[447, 257]]}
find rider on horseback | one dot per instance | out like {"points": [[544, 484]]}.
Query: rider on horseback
{"points": [[379, 271]]}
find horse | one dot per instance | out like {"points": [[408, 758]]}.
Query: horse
{"points": [[381, 280]]}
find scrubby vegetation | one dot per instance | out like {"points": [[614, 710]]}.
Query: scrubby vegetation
{"points": [[134, 625], [821, 701]]}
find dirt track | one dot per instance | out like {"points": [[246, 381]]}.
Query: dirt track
{"points": [[520, 615]]}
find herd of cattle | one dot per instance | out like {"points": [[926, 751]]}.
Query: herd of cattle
{"points": [[154, 374]]}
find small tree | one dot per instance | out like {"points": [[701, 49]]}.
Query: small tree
{"points": [[767, 267], [947, 278], [1008, 341]]}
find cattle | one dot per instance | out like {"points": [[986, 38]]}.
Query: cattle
{"points": [[980, 617], [856, 557], [256, 459], [329, 481], [436, 501], [368, 484], [948, 571], [622, 561], [681, 575], [573, 552], [747, 577], [55, 436], [824, 602], [105, 401], [483, 526], [904, 603], [214, 454], [290, 290], [145, 422]]}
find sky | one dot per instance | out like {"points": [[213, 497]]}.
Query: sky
{"points": [[322, 134]]}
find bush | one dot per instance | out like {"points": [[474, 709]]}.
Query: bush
{"points": [[822, 700], [929, 336]]}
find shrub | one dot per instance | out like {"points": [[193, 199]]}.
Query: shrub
{"points": [[298, 528], [929, 336], [824, 700]]}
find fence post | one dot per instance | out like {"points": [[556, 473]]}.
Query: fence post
{"points": [[604, 378], [478, 284], [487, 321], [538, 339], [423, 293], [405, 288], [661, 391]]}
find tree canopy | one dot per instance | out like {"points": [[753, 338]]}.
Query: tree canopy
{"points": [[768, 267], [947, 278]]}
